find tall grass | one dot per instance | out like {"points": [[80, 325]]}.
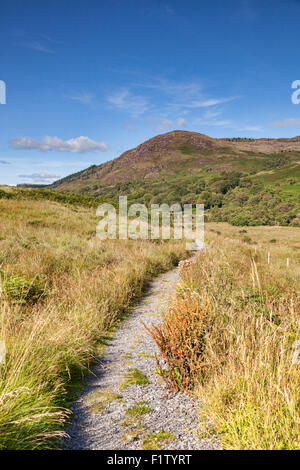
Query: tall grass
{"points": [[248, 382], [62, 293]]}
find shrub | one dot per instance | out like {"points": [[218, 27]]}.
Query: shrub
{"points": [[5, 195], [180, 339], [18, 289]]}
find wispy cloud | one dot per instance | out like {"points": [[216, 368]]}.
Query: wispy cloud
{"points": [[168, 9], [50, 39], [164, 124], [4, 162], [40, 177], [232, 125], [172, 97], [37, 46], [252, 128], [208, 102], [177, 89], [161, 96], [181, 122], [292, 122], [226, 124], [42, 44], [80, 144], [82, 97], [223, 123], [211, 114], [170, 104], [127, 101], [130, 126]]}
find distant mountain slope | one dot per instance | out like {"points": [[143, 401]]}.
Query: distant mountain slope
{"points": [[179, 153], [161, 154], [240, 181], [266, 145]]}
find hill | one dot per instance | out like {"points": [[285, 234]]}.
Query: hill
{"points": [[180, 153], [240, 181]]}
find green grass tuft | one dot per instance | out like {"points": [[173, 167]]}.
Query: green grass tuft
{"points": [[156, 441], [135, 377]]}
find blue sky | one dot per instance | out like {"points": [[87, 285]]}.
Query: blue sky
{"points": [[87, 80]]}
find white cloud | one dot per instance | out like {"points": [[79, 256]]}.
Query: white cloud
{"points": [[211, 114], [181, 122], [164, 124], [287, 123], [80, 144], [40, 177], [208, 102], [183, 96], [226, 124], [169, 99], [127, 101]]}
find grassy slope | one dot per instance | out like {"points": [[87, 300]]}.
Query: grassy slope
{"points": [[196, 163], [179, 154], [249, 384], [62, 293], [242, 182], [283, 177]]}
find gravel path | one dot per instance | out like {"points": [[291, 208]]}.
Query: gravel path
{"points": [[116, 415]]}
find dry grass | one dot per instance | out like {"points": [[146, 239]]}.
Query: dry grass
{"points": [[63, 291], [248, 383], [180, 341]]}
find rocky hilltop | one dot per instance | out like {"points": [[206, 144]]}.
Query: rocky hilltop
{"points": [[182, 154]]}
